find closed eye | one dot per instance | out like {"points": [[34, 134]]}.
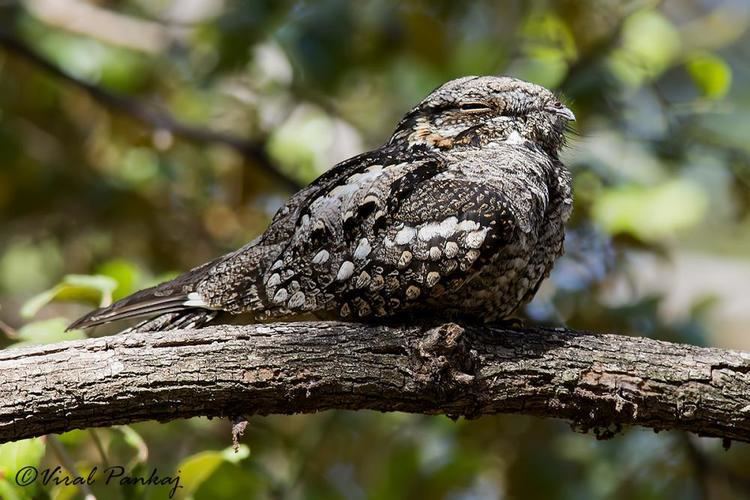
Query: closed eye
{"points": [[473, 107]]}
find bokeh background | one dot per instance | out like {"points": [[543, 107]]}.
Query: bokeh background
{"points": [[139, 138]]}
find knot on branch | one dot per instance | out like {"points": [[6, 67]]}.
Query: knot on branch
{"points": [[446, 361], [602, 430], [618, 395]]}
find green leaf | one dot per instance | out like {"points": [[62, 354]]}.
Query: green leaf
{"points": [[46, 332], [9, 491], [301, 141], [78, 287], [548, 31], [196, 469], [26, 266], [650, 44], [73, 438], [67, 491], [711, 74], [19, 454], [13, 457], [232, 456], [651, 213], [138, 166], [126, 274], [81, 286], [548, 47], [135, 441], [35, 303], [113, 67]]}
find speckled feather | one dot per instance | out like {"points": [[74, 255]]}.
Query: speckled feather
{"points": [[461, 212]]}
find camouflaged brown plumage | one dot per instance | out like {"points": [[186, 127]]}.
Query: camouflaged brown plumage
{"points": [[462, 212]]}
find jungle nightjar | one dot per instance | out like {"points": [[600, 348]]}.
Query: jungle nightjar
{"points": [[462, 211]]}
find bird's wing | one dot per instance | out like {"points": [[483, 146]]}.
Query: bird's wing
{"points": [[397, 231], [228, 282]]}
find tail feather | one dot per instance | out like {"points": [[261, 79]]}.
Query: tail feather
{"points": [[91, 320], [191, 318], [157, 300], [174, 304]]}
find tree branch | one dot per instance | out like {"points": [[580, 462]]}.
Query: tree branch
{"points": [[157, 119], [596, 381]]}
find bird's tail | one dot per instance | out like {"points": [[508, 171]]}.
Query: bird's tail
{"points": [[171, 305], [190, 318], [172, 302]]}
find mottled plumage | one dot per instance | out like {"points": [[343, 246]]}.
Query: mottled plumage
{"points": [[461, 212]]}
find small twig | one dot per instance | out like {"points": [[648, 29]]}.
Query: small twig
{"points": [[67, 462], [239, 424], [87, 18], [8, 330], [158, 119], [134, 440], [99, 447]]}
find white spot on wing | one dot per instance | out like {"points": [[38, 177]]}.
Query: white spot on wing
{"points": [[472, 255], [321, 257], [345, 271], [405, 235], [514, 138], [475, 238], [467, 225], [438, 229], [297, 300], [194, 299], [280, 296], [344, 191], [432, 278], [363, 249], [367, 176], [451, 249], [404, 260], [370, 198], [363, 280], [397, 166], [274, 280]]}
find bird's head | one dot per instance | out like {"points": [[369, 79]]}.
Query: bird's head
{"points": [[477, 111]]}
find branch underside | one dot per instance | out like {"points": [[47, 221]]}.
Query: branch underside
{"points": [[595, 381]]}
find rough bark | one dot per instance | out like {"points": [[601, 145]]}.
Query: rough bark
{"points": [[596, 381]]}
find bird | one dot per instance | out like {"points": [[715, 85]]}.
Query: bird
{"points": [[461, 213]]}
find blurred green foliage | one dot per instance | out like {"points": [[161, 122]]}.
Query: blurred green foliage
{"points": [[95, 204]]}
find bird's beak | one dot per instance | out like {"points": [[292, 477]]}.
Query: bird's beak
{"points": [[564, 112]]}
